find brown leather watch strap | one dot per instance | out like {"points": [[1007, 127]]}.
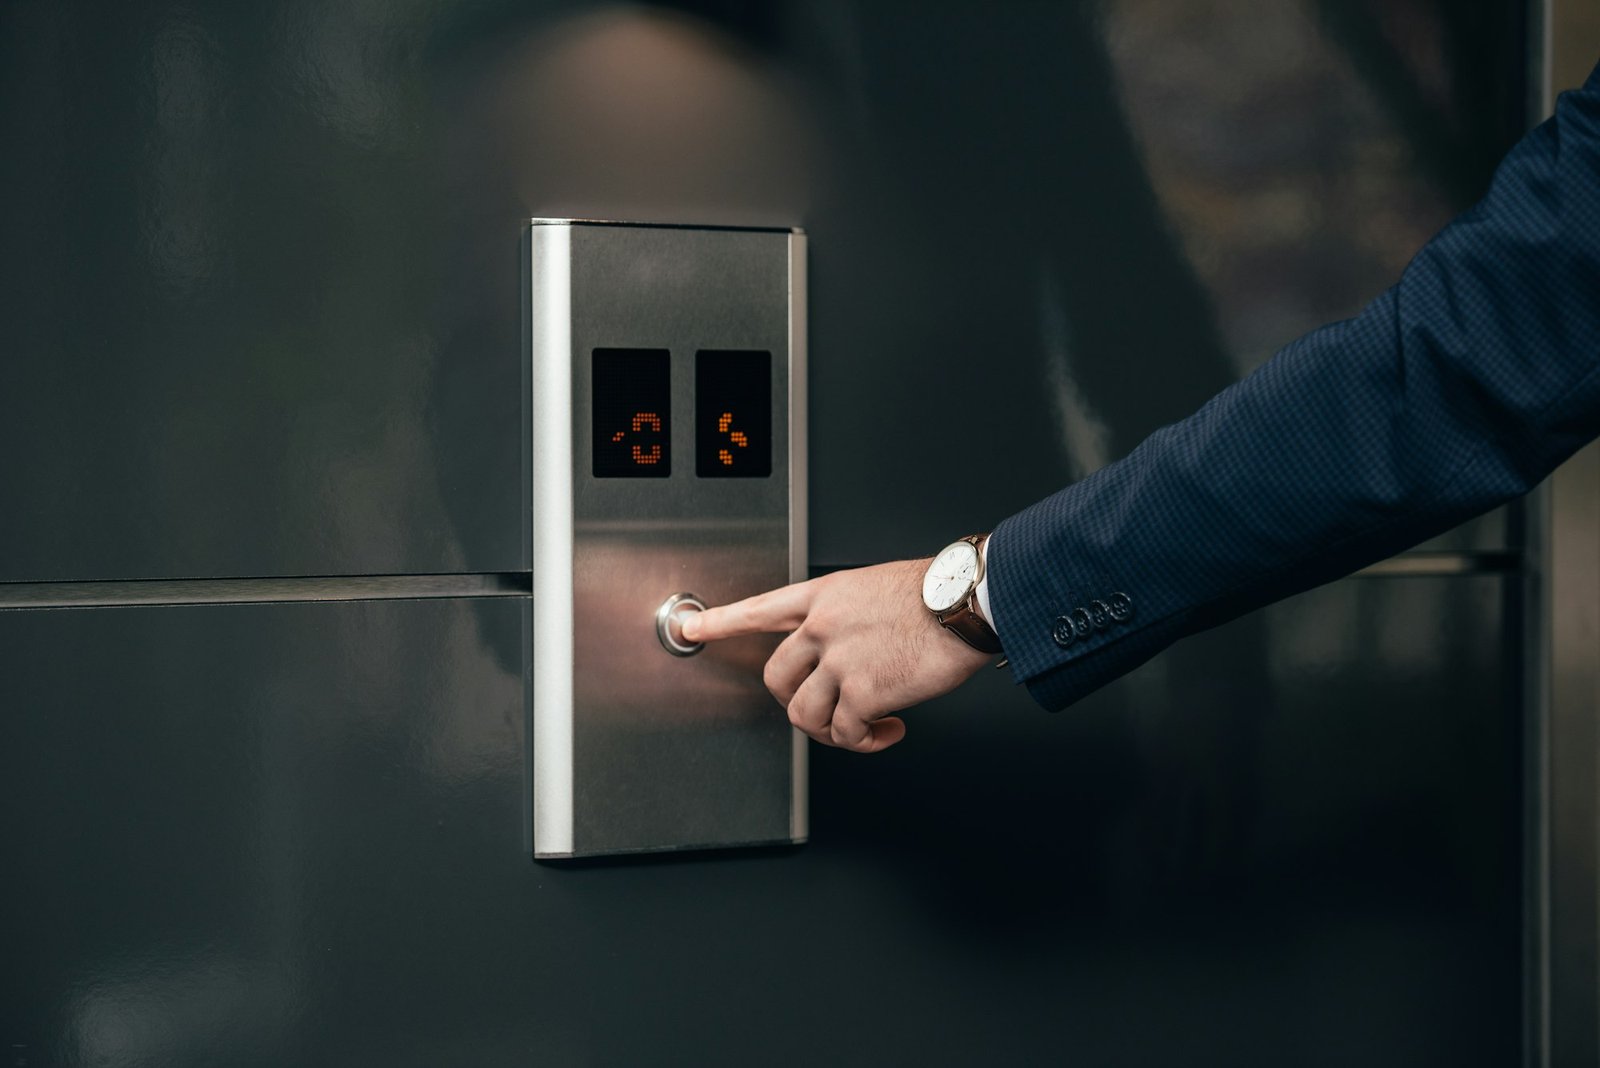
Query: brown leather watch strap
{"points": [[970, 627]]}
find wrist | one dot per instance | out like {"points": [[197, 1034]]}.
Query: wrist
{"points": [[949, 592], [981, 595]]}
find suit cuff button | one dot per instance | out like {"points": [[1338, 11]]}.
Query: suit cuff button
{"points": [[1081, 623], [1120, 607], [1061, 631]]}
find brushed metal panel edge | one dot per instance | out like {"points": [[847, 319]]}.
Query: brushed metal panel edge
{"points": [[634, 224], [1562, 944], [799, 518], [550, 353]]}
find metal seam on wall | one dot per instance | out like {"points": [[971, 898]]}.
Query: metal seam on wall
{"points": [[1437, 564], [128, 592], [107, 594]]}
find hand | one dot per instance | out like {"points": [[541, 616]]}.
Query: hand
{"points": [[861, 646]]}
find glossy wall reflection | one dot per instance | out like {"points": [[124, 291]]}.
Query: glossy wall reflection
{"points": [[261, 318], [267, 833]]}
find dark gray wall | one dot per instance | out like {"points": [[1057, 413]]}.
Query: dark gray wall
{"points": [[260, 311]]}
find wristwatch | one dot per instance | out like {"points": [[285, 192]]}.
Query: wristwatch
{"points": [[950, 592]]}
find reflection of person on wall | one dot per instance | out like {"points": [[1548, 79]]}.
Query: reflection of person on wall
{"points": [[1458, 389]]}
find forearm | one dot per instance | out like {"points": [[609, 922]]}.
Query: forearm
{"points": [[1456, 390]]}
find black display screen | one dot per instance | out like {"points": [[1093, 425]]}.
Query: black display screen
{"points": [[632, 413], [732, 414]]}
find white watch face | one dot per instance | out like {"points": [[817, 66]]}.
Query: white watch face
{"points": [[951, 577]]}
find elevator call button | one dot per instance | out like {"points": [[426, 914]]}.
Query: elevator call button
{"points": [[669, 623]]}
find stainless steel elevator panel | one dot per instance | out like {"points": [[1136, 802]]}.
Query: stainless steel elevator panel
{"points": [[668, 458]]}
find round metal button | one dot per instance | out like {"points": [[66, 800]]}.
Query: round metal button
{"points": [[1120, 605], [669, 623], [1061, 631]]}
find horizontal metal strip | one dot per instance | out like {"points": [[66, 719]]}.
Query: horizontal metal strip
{"points": [[111, 593], [1422, 564], [15, 595]]}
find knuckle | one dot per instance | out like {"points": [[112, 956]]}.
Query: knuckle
{"points": [[809, 716], [857, 698], [813, 628], [817, 719], [772, 676]]}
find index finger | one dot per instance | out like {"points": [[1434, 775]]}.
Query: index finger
{"points": [[776, 611]]}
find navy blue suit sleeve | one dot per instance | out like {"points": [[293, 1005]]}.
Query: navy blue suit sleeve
{"points": [[1456, 390]]}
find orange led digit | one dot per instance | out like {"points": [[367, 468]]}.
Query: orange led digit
{"points": [[640, 455], [632, 416], [733, 413]]}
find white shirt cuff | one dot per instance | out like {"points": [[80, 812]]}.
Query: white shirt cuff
{"points": [[983, 587]]}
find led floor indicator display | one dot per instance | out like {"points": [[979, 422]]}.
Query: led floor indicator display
{"points": [[732, 414], [632, 413]]}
